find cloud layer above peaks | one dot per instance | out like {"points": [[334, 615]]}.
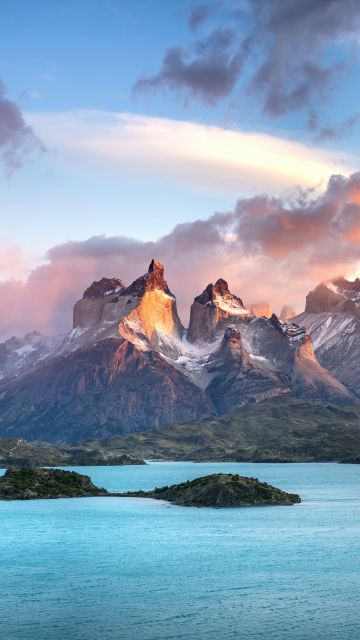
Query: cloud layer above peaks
{"points": [[267, 248]]}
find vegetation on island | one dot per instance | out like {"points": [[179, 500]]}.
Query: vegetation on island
{"points": [[32, 483], [220, 490]]}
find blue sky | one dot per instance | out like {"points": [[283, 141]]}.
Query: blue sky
{"points": [[257, 99], [64, 56]]}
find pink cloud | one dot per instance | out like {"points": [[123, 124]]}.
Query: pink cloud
{"points": [[266, 248]]}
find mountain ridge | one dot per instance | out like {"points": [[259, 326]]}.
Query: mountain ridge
{"points": [[129, 364]]}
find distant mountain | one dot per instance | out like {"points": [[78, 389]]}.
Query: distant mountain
{"points": [[129, 365], [332, 318], [22, 353]]}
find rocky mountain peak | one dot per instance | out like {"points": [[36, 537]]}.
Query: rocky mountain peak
{"points": [[156, 267], [219, 293], [337, 296], [347, 287], [232, 335], [221, 287], [150, 281], [233, 347], [154, 316], [211, 308], [103, 287]]}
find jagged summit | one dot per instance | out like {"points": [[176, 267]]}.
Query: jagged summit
{"points": [[154, 315], [143, 313], [348, 288], [288, 349], [103, 287], [232, 346], [150, 281], [338, 295], [211, 308], [218, 294], [332, 317]]}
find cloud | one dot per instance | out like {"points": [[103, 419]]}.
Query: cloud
{"points": [[205, 158], [199, 13], [285, 56], [210, 74], [267, 248], [332, 132], [17, 139]]}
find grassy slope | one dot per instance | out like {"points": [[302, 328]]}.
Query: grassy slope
{"points": [[39, 454], [279, 429]]}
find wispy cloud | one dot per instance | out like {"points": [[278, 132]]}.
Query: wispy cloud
{"points": [[208, 158]]}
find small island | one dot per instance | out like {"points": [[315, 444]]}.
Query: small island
{"points": [[220, 490], [34, 483], [216, 490]]}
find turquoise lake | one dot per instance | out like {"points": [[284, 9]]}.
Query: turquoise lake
{"points": [[136, 569]]}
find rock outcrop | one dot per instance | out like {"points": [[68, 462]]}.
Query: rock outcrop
{"points": [[237, 378], [212, 309], [104, 287], [289, 351], [221, 490]]}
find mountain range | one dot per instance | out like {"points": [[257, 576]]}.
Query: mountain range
{"points": [[129, 365]]}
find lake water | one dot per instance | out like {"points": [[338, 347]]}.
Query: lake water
{"points": [[135, 569]]}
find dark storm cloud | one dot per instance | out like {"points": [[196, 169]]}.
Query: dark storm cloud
{"points": [[281, 56], [17, 139]]}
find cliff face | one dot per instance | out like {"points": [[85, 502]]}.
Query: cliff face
{"points": [[106, 389], [237, 379], [332, 318], [338, 295], [212, 310], [289, 351], [153, 320]]}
